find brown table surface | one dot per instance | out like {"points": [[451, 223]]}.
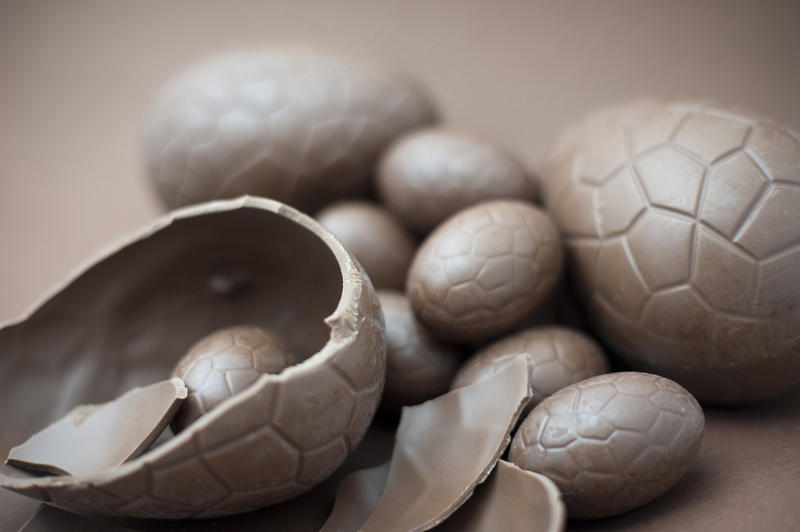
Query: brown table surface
{"points": [[76, 78]]}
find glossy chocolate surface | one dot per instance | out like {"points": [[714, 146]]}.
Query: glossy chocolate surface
{"points": [[484, 269], [513, 500], [558, 356], [447, 446], [682, 227], [611, 442], [429, 175], [419, 366], [375, 237], [95, 438], [131, 313], [295, 126], [225, 363]]}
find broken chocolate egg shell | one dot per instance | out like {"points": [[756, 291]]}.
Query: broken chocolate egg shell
{"points": [[295, 126], [682, 231], [116, 432], [375, 237], [419, 366], [512, 500], [223, 364], [613, 442], [445, 447], [484, 269], [429, 175], [557, 357], [126, 318]]}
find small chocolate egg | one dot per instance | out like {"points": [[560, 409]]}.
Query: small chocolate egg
{"points": [[418, 366], [294, 126], [375, 237], [613, 442], [429, 175], [223, 364], [558, 357], [484, 269]]}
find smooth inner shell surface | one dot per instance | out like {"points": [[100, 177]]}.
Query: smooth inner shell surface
{"points": [[127, 317]]}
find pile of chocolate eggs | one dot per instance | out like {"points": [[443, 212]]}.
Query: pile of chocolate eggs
{"points": [[664, 234], [678, 223]]}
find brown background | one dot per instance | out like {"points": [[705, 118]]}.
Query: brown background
{"points": [[76, 78]]}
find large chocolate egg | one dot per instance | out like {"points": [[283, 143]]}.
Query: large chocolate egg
{"points": [[128, 316], [682, 221], [297, 127]]}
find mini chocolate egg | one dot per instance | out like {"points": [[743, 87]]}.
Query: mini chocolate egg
{"points": [[611, 443], [429, 175], [418, 366], [484, 269], [294, 126], [223, 364], [557, 356], [682, 226], [375, 237]]}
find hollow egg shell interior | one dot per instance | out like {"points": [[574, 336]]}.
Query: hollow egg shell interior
{"points": [[129, 318]]}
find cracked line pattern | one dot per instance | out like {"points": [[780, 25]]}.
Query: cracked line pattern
{"points": [[744, 161], [611, 442], [485, 267], [295, 127]]}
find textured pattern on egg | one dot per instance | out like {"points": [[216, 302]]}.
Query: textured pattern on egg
{"points": [[557, 357], [223, 364], [682, 227], [282, 435], [612, 442], [484, 269], [297, 127]]}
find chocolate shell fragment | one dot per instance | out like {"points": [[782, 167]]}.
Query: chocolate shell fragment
{"points": [[447, 446], [511, 500], [356, 498], [93, 438]]}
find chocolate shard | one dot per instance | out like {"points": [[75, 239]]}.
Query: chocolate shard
{"points": [[513, 500], [447, 446], [356, 497], [92, 438]]}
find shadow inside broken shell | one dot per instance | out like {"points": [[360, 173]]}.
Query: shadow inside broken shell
{"points": [[125, 320]]}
